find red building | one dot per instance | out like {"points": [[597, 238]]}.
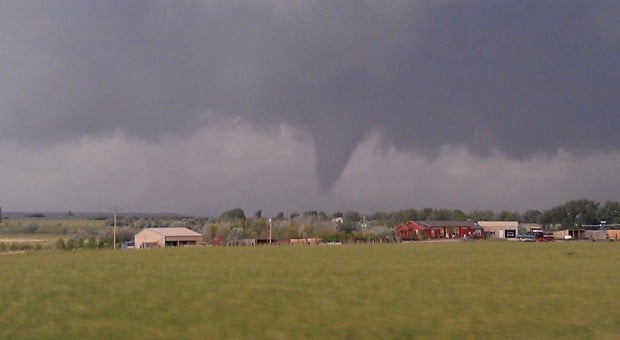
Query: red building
{"points": [[409, 230], [421, 230]]}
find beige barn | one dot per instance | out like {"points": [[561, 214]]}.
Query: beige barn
{"points": [[500, 229], [166, 237]]}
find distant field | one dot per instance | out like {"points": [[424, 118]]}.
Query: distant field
{"points": [[47, 225], [454, 290]]}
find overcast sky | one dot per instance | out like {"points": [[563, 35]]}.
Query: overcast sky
{"points": [[197, 107]]}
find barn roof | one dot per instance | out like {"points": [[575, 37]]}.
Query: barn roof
{"points": [[174, 231], [470, 224]]}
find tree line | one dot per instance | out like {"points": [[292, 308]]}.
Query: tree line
{"points": [[571, 214]]}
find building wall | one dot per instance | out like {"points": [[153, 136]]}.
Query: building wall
{"points": [[149, 239], [595, 235], [242, 242], [303, 241], [613, 234], [403, 232], [196, 239], [497, 229]]}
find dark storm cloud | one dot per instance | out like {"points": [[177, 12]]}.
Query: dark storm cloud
{"points": [[521, 77]]}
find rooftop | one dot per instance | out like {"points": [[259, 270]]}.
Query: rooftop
{"points": [[174, 231]]}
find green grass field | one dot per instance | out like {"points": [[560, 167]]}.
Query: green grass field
{"points": [[446, 290]]}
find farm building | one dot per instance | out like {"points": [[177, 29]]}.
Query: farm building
{"points": [[409, 230], [500, 229], [438, 230], [613, 234], [166, 237], [569, 234], [242, 242], [451, 229], [303, 241], [601, 231]]}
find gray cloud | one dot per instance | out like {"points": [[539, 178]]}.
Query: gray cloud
{"points": [[521, 77], [200, 175]]}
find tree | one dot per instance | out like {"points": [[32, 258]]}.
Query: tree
{"points": [[381, 216], [506, 215], [441, 215], [236, 233], [352, 216], [256, 228], [609, 212], [347, 227], [425, 214], [258, 213], [531, 216], [233, 215], [459, 215], [571, 214], [178, 224], [583, 212], [311, 213], [482, 215], [382, 232]]}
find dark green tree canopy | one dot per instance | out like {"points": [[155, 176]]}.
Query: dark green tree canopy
{"points": [[233, 215]]}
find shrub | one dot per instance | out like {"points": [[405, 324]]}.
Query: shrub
{"points": [[60, 244], [17, 246], [70, 244], [30, 228], [91, 243]]}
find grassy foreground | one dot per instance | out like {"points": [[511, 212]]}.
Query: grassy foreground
{"points": [[447, 290]]}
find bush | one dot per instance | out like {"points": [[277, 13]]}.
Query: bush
{"points": [[91, 243], [18, 246], [71, 244], [30, 228], [60, 244], [326, 236]]}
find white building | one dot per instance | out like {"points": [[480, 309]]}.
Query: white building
{"points": [[500, 229], [166, 237]]}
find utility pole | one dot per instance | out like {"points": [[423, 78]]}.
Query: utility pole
{"points": [[270, 231], [114, 229]]}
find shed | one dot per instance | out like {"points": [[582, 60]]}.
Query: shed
{"points": [[166, 237], [500, 229], [569, 234]]}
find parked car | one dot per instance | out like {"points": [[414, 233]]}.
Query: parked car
{"points": [[526, 238]]}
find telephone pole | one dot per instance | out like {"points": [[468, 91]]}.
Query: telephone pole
{"points": [[270, 231], [114, 229]]}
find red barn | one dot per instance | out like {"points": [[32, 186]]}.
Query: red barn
{"points": [[409, 230], [438, 230]]}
